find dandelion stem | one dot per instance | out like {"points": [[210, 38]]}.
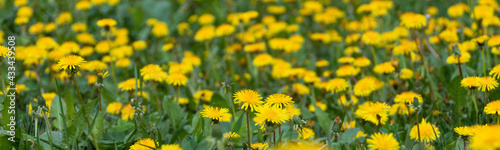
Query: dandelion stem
{"points": [[248, 130], [3, 83], [498, 119], [460, 68], [484, 64]]}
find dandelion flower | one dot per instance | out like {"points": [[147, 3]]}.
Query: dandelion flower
{"points": [[384, 68], [470, 82], [231, 135], [171, 147], [364, 87], [268, 114], [106, 23], [306, 133], [495, 72], [127, 112], [177, 79], [487, 84], [204, 95], [153, 72], [347, 70], [337, 85], [4, 51], [127, 85], [406, 74], [259, 146], [216, 113], [114, 108], [249, 99], [408, 97], [143, 144], [400, 108], [464, 130], [486, 138], [262, 60], [71, 62], [371, 38], [382, 141], [375, 112], [362, 62], [413, 21], [428, 132], [493, 108], [279, 100]]}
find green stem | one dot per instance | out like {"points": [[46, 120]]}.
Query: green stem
{"points": [[375, 60], [475, 106], [248, 130], [484, 64]]}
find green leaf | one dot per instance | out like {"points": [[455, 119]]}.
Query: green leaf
{"points": [[349, 136], [173, 110], [56, 111], [69, 103], [5, 113], [79, 124], [495, 94], [456, 92], [219, 101], [98, 128], [323, 119]]}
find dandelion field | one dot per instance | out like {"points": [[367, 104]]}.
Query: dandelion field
{"points": [[250, 74]]}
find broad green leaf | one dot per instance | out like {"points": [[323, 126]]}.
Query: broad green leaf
{"points": [[79, 124], [349, 135], [219, 101], [323, 119], [69, 103], [173, 110], [456, 92]]}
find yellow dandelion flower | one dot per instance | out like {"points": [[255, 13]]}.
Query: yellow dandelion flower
{"points": [[127, 85], [495, 72], [71, 62], [106, 23], [428, 132], [205, 33], [406, 74], [384, 68], [486, 138], [306, 133], [4, 51], [413, 21], [407, 97], [364, 87], [382, 141], [259, 146], [337, 85], [300, 89], [371, 38], [268, 114], [249, 99], [470, 82], [114, 108], [362, 62], [127, 112], [153, 72], [216, 113], [231, 135], [493, 108], [170, 147], [144, 144], [375, 112], [177, 79], [322, 63], [204, 95], [263, 59], [487, 84], [401, 109], [279, 100], [347, 71], [464, 130]]}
